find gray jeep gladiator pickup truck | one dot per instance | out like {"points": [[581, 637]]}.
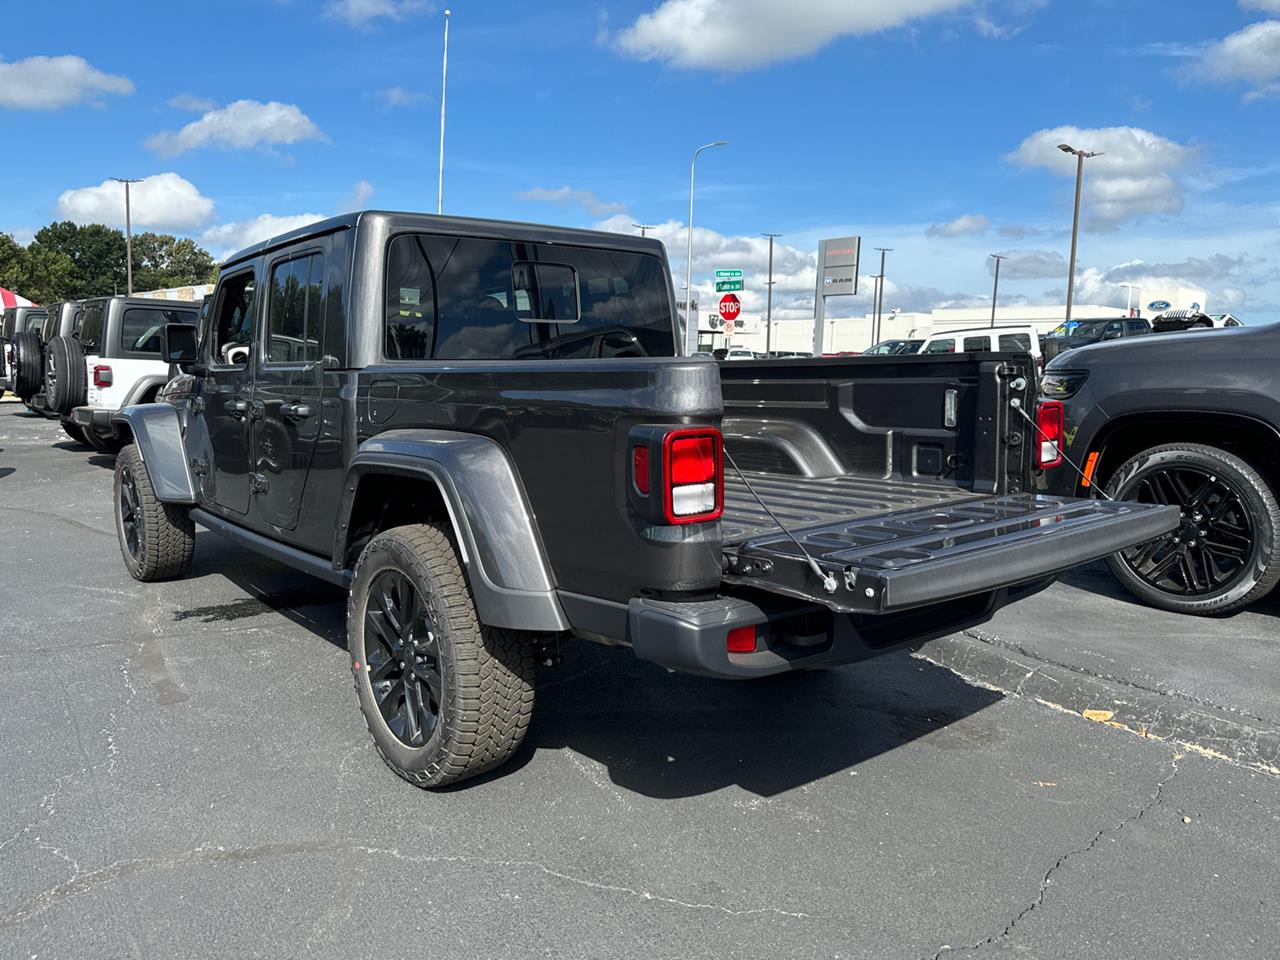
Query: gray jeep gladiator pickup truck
{"points": [[411, 407]]}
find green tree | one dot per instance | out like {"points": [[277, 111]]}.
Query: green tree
{"points": [[39, 274], [96, 253], [161, 260]]}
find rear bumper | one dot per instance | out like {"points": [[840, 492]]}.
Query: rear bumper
{"points": [[97, 419], [691, 637]]}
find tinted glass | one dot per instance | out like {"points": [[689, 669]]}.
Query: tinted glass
{"points": [[461, 298], [1015, 342], [1137, 326], [293, 319], [140, 327], [233, 323], [977, 344], [945, 345], [91, 326]]}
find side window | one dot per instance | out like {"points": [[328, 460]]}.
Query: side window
{"points": [[977, 344], [1015, 343], [1113, 330], [293, 313], [91, 328], [1137, 327], [233, 321], [945, 345], [140, 327]]}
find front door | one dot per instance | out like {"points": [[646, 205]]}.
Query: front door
{"points": [[222, 413], [286, 398]]}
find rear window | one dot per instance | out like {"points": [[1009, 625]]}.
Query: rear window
{"points": [[1015, 342], [140, 327], [451, 298]]}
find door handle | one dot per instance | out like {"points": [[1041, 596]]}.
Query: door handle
{"points": [[295, 411], [238, 408]]}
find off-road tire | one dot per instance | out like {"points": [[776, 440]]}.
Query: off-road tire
{"points": [[486, 700], [75, 432], [166, 533], [64, 375], [28, 365], [1259, 499]]}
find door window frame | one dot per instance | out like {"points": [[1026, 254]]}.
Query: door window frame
{"points": [[207, 343], [262, 331]]}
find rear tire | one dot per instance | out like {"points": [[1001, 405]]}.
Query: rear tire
{"points": [[157, 539], [75, 432], [65, 378], [1225, 555], [444, 697]]}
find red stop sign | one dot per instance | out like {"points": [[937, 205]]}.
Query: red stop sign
{"points": [[730, 307]]}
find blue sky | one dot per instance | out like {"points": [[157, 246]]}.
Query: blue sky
{"points": [[924, 125]]}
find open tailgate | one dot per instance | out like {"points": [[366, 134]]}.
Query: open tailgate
{"points": [[909, 558]]}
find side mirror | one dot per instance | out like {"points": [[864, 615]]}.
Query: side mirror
{"points": [[178, 343]]}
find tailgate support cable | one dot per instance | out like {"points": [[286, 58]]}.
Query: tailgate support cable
{"points": [[829, 582], [1017, 405]]}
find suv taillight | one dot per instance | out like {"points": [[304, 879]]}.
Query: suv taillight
{"points": [[1049, 420], [102, 376], [676, 474]]}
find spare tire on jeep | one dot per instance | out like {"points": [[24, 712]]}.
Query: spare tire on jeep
{"points": [[65, 379], [28, 366]]}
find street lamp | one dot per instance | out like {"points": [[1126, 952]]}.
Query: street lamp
{"points": [[444, 79], [996, 289], [768, 316], [644, 228], [879, 311], [128, 233], [1081, 156], [691, 323]]}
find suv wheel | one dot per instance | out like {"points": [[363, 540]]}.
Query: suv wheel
{"points": [[1226, 552], [65, 376], [156, 538], [28, 365], [444, 697]]}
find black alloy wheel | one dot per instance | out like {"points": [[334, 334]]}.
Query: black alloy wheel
{"points": [[129, 500], [402, 653]]}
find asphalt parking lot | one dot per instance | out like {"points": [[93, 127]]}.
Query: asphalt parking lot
{"points": [[186, 774]]}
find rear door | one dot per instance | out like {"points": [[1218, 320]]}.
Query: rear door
{"points": [[286, 398]]}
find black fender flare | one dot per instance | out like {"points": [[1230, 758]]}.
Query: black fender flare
{"points": [[507, 570], [157, 432]]}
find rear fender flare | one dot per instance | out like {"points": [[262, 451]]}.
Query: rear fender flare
{"points": [[508, 573], [157, 431]]}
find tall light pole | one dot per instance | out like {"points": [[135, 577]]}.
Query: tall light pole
{"points": [[768, 316], [644, 228], [128, 233], [875, 333], [1128, 307], [444, 80], [1081, 156], [995, 291], [691, 322]]}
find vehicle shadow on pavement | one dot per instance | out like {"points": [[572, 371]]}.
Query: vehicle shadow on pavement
{"points": [[1097, 578]]}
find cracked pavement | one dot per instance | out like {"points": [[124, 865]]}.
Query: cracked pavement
{"points": [[185, 773]]}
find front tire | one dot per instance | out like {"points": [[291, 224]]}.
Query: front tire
{"points": [[1226, 552], [157, 539], [444, 697]]}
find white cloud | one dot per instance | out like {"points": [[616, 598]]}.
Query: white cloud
{"points": [[49, 83], [361, 13], [1134, 176], [1251, 55], [162, 201], [359, 196], [1030, 265], [741, 34], [1266, 6], [584, 198], [970, 225], [239, 126], [226, 238], [186, 101], [400, 97]]}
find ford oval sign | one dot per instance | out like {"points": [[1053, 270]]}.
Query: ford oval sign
{"points": [[1158, 305]]}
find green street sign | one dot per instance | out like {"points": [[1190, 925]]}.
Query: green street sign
{"points": [[728, 274], [728, 286]]}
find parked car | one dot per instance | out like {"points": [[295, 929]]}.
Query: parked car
{"points": [[986, 340], [1079, 333], [112, 359], [792, 354], [59, 320], [1187, 420], [739, 353], [1173, 321], [15, 320], [893, 348], [483, 504]]}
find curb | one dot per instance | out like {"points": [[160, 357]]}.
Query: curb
{"points": [[1144, 713]]}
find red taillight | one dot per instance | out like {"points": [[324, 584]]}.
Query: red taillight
{"points": [[640, 469], [1049, 420], [741, 640], [102, 376], [692, 475]]}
